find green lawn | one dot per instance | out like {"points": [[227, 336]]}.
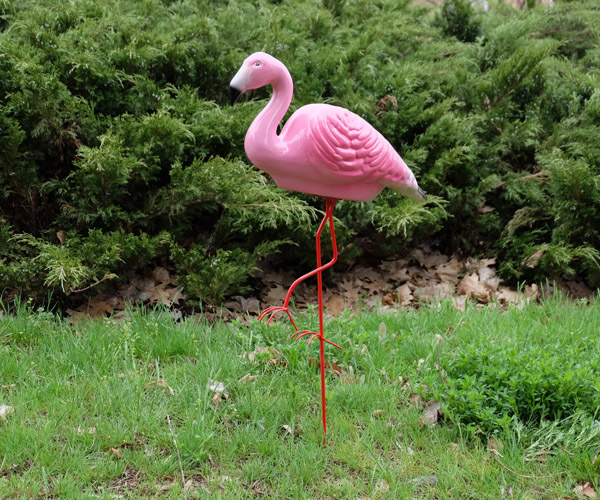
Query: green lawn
{"points": [[96, 407]]}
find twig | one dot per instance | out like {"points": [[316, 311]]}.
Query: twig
{"points": [[510, 470], [108, 276], [439, 363], [495, 455], [542, 175], [178, 457]]}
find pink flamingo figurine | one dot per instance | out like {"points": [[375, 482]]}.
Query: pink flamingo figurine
{"points": [[322, 150]]}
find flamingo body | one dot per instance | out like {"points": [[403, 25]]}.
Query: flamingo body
{"points": [[322, 149]]}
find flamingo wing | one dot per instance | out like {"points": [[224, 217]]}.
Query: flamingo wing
{"points": [[346, 146]]}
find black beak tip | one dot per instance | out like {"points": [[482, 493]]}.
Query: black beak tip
{"points": [[234, 94], [423, 194]]}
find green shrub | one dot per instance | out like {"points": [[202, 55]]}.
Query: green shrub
{"points": [[115, 130], [491, 388], [458, 18]]}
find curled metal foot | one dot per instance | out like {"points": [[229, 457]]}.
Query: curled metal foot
{"points": [[298, 335], [273, 311]]}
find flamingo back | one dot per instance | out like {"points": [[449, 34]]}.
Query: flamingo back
{"points": [[345, 145]]}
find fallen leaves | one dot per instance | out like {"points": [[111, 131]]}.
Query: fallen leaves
{"points": [[430, 481], [425, 276], [432, 410], [334, 369], [288, 430], [246, 379], [81, 431], [155, 287], [5, 410], [266, 356], [586, 489], [220, 391], [160, 383], [381, 486]]}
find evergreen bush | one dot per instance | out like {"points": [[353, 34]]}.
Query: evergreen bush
{"points": [[115, 134]]}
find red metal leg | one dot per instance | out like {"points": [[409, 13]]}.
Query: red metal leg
{"points": [[330, 204], [274, 310]]}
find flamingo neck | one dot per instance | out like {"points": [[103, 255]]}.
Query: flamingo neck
{"points": [[263, 130]]}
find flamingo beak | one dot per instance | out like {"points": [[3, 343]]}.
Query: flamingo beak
{"points": [[423, 194], [234, 94]]}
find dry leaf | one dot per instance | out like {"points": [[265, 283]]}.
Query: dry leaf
{"points": [[382, 486], [217, 387], [538, 456], [431, 413], [428, 258], [116, 453], [532, 291], [275, 295], [61, 235], [160, 383], [484, 209], [367, 274], [405, 295], [385, 103], [459, 303], [425, 481], [274, 356], [288, 430], [587, 490], [473, 288], [96, 307], [434, 291], [495, 445], [449, 271], [335, 305], [414, 399], [5, 410], [487, 276], [532, 260], [382, 331], [161, 275], [239, 303], [507, 296], [82, 430], [9, 387], [246, 379], [377, 413]]}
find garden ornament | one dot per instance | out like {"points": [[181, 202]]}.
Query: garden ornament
{"points": [[322, 150]]}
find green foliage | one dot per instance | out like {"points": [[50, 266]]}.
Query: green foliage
{"points": [[532, 369], [213, 277], [115, 129], [458, 18], [491, 388]]}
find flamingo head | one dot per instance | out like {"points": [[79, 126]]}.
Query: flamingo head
{"points": [[257, 70]]}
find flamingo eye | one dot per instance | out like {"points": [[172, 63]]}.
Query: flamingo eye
{"points": [[257, 63]]}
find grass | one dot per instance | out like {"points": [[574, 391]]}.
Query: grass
{"points": [[92, 404]]}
